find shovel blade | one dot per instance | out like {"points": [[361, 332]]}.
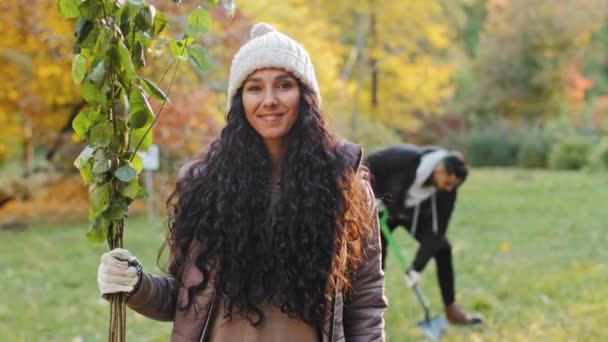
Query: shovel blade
{"points": [[433, 328]]}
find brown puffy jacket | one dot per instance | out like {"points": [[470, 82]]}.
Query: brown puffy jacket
{"points": [[359, 318]]}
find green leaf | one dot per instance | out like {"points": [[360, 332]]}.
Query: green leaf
{"points": [[127, 15], [86, 172], [125, 173], [101, 135], [144, 39], [83, 122], [212, 3], [152, 89], [142, 45], [98, 74], [139, 57], [98, 229], [124, 81], [133, 159], [111, 6], [68, 8], [104, 91], [91, 93], [99, 197], [142, 192], [118, 144], [118, 210], [178, 49], [101, 162], [160, 23], [102, 44], [134, 190], [144, 19], [86, 36], [136, 135], [79, 68], [124, 98], [90, 9], [140, 111], [198, 23], [99, 177], [199, 57], [137, 163], [131, 189], [83, 157], [122, 57]]}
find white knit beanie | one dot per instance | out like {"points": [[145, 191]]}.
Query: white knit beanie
{"points": [[269, 48]]}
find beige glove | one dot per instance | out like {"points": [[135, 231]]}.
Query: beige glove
{"points": [[118, 272]]}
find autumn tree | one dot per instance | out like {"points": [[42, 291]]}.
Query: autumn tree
{"points": [[37, 89], [527, 53], [385, 58]]}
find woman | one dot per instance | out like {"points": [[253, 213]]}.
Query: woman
{"points": [[273, 231]]}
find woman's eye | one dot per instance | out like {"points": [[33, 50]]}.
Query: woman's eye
{"points": [[285, 85], [254, 88]]}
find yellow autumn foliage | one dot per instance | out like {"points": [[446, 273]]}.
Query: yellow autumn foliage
{"points": [[408, 46], [409, 35], [35, 63]]}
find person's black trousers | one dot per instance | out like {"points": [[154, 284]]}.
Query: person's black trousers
{"points": [[431, 246]]}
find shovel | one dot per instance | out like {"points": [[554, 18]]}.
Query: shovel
{"points": [[433, 328]]}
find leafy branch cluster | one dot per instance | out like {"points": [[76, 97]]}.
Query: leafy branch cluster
{"points": [[113, 40]]}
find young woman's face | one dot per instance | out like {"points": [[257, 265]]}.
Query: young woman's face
{"points": [[271, 98]]}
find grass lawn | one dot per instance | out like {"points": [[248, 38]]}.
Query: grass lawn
{"points": [[529, 248]]}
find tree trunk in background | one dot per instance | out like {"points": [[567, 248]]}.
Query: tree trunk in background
{"points": [[25, 101], [344, 77], [373, 62], [28, 146], [361, 33]]}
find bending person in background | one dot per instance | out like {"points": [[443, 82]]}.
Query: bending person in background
{"points": [[418, 188]]}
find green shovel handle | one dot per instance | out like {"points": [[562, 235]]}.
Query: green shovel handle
{"points": [[386, 232]]}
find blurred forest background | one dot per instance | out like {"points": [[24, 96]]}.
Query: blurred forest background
{"points": [[518, 84], [509, 82]]}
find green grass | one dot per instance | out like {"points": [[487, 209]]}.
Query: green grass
{"points": [[530, 255], [48, 290], [529, 248]]}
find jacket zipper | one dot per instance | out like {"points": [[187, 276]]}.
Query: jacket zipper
{"points": [[333, 321], [209, 313]]}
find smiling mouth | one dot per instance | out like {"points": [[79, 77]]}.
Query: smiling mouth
{"points": [[270, 117]]}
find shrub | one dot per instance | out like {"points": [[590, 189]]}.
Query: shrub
{"points": [[491, 146], [598, 157], [534, 148], [570, 153]]}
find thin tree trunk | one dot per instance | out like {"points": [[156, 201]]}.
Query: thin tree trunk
{"points": [[373, 61], [361, 33], [28, 146], [118, 313]]}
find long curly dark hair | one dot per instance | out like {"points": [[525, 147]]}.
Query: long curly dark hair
{"points": [[299, 256]]}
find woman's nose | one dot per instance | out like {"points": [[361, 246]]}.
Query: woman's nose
{"points": [[270, 98]]}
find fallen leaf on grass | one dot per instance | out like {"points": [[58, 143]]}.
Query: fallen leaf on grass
{"points": [[505, 247]]}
